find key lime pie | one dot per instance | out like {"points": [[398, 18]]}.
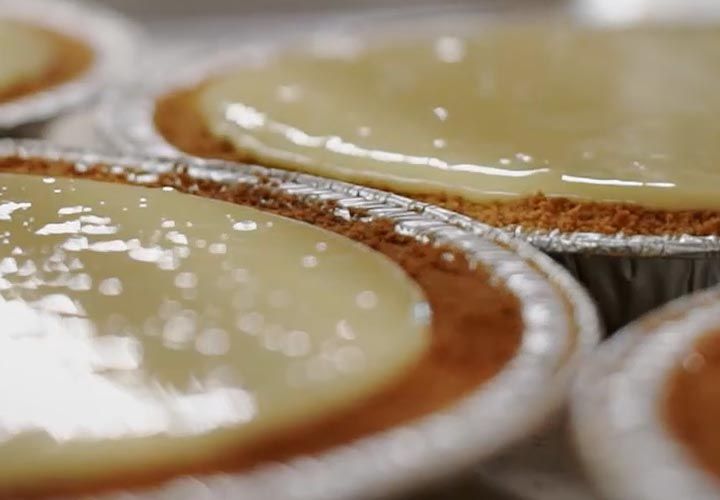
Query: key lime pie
{"points": [[647, 404], [35, 58], [150, 334], [692, 404], [542, 125]]}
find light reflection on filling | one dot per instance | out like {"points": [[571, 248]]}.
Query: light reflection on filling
{"points": [[150, 327], [609, 115]]}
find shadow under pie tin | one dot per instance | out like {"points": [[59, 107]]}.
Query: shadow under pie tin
{"points": [[627, 275], [561, 328], [110, 38], [626, 402]]}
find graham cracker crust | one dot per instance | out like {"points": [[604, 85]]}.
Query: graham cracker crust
{"points": [[72, 58], [178, 120], [476, 329], [691, 406]]}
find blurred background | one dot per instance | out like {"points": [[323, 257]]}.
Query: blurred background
{"points": [[162, 11], [166, 15], [178, 20], [159, 10]]}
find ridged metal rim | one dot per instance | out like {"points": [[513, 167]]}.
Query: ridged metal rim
{"points": [[616, 415], [113, 38], [125, 121], [531, 387]]}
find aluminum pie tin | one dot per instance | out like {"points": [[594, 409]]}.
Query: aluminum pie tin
{"points": [[112, 38], [561, 329], [627, 275], [627, 450]]}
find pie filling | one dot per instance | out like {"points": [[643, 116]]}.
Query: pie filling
{"points": [[150, 333], [692, 403], [33, 58], [487, 122], [25, 54]]}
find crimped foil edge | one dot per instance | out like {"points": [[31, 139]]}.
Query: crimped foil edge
{"points": [[435, 445]]}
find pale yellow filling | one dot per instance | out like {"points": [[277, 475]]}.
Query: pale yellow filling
{"points": [[146, 327], [602, 114], [25, 53]]}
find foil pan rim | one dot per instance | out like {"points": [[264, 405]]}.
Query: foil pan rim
{"points": [[124, 121], [627, 448], [620, 244], [539, 374], [113, 38]]}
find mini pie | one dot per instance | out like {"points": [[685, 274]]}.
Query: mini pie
{"points": [[646, 405], [34, 58], [692, 404], [545, 125], [194, 334]]}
